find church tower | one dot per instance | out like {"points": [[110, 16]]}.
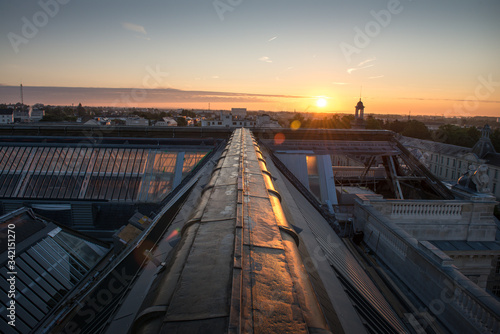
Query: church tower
{"points": [[359, 122]]}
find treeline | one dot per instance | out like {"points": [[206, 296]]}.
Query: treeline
{"points": [[412, 128], [334, 122], [447, 133], [467, 137], [59, 114]]}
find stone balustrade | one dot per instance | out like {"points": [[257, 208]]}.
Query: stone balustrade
{"points": [[424, 209], [468, 219], [474, 310]]}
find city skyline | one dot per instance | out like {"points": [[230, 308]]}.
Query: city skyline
{"points": [[427, 57]]}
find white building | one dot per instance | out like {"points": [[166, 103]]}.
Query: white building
{"points": [[6, 116], [265, 121], [137, 121], [167, 121], [37, 112], [450, 162], [227, 121]]}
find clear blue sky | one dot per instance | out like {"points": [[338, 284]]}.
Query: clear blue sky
{"points": [[426, 58]]}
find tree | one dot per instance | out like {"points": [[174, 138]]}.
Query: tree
{"points": [[454, 135], [495, 139], [298, 121], [396, 126], [188, 113], [181, 121], [80, 111], [413, 128], [345, 122], [373, 123], [416, 129]]}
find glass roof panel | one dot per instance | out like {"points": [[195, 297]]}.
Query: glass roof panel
{"points": [[109, 173], [46, 271]]}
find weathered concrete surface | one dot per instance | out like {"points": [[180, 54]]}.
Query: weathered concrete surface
{"points": [[237, 268]]}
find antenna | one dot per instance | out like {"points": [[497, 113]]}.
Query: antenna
{"points": [[22, 98], [360, 91]]}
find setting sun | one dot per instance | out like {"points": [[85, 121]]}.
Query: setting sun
{"points": [[321, 102]]}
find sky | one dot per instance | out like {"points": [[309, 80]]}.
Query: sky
{"points": [[438, 57]]}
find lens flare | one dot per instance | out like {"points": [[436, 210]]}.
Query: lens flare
{"points": [[279, 138], [173, 234], [295, 124]]}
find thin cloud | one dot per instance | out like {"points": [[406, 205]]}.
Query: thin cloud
{"points": [[265, 59], [339, 83], [366, 61], [451, 100], [134, 27], [350, 70], [108, 96], [272, 39], [376, 77], [215, 77]]}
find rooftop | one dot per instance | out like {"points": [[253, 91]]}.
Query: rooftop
{"points": [[50, 261]]}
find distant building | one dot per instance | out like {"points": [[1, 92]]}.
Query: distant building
{"points": [[137, 121], [167, 121], [434, 125], [91, 122], [265, 121], [359, 112], [97, 121], [239, 112], [21, 115], [37, 112], [6, 116], [227, 121], [449, 162]]}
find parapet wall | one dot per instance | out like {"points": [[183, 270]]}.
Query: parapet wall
{"points": [[448, 295], [468, 220]]}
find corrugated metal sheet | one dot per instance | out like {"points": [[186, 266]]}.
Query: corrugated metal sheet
{"points": [[11, 206], [82, 214]]}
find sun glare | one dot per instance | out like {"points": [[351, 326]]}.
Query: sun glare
{"points": [[321, 102]]}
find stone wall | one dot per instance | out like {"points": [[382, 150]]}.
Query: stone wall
{"points": [[458, 303], [468, 220]]}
